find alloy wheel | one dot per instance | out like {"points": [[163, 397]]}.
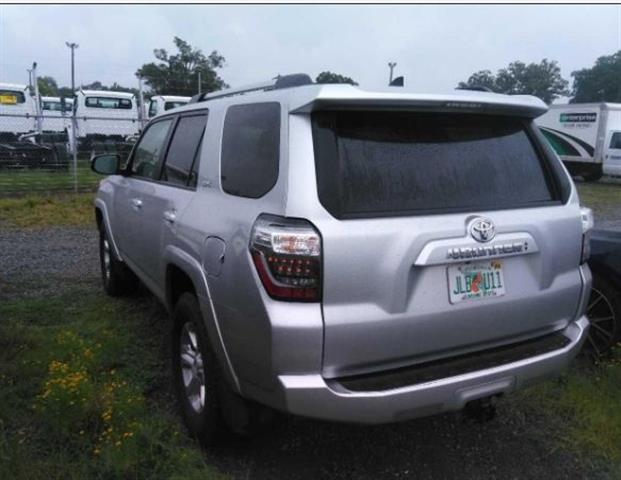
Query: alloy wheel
{"points": [[192, 368]]}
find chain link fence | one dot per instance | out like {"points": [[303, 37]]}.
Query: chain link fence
{"points": [[51, 152]]}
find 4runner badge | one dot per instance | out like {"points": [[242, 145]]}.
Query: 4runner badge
{"points": [[482, 230]]}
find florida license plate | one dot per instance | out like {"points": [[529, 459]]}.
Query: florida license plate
{"points": [[475, 281]]}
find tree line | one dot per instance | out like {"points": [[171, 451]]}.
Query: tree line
{"points": [[599, 83], [180, 73]]}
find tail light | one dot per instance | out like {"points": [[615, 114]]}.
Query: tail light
{"points": [[587, 225], [287, 255]]}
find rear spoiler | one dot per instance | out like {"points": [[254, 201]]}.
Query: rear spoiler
{"points": [[485, 103]]}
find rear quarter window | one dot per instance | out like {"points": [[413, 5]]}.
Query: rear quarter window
{"points": [[250, 149], [108, 102], [407, 163]]}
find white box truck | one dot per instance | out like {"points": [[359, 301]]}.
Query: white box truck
{"points": [[18, 111], [587, 137], [162, 103], [104, 114]]}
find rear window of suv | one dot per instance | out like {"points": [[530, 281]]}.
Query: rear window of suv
{"points": [[406, 163]]}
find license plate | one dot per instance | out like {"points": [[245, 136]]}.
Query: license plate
{"points": [[475, 281]]}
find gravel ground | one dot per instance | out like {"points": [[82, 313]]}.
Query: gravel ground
{"points": [[515, 445], [35, 262]]}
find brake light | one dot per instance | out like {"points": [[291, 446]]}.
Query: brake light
{"points": [[587, 225], [287, 256]]}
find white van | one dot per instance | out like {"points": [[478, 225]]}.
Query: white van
{"points": [[162, 103], [587, 137], [17, 111], [103, 114], [55, 117]]}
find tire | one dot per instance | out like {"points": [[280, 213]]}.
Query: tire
{"points": [[604, 313], [592, 174], [197, 376], [116, 278]]}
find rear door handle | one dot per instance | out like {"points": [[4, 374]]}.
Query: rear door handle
{"points": [[170, 216], [136, 203]]}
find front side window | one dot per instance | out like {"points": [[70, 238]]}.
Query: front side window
{"points": [[153, 108], [405, 163], [108, 102], [184, 150], [615, 140], [11, 97], [149, 150], [250, 149]]}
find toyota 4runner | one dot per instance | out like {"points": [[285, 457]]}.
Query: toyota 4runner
{"points": [[349, 255]]}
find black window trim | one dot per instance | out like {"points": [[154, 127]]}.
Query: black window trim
{"points": [[175, 117], [558, 189]]}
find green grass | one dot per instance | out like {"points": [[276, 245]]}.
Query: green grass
{"points": [[84, 393], [27, 181], [45, 211], [603, 198], [583, 409]]}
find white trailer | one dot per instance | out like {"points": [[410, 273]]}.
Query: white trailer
{"points": [[106, 115], [17, 111], [162, 103], [587, 137]]}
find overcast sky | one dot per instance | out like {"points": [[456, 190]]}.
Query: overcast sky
{"points": [[434, 46]]}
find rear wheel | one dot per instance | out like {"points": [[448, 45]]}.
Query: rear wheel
{"points": [[604, 313], [196, 372]]}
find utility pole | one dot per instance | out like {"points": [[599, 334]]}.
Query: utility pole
{"points": [[74, 123], [35, 83], [199, 82], [142, 112], [72, 46], [391, 65]]}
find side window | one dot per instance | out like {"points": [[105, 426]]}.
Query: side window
{"points": [[152, 108], [184, 149], [250, 149], [149, 150], [615, 140]]}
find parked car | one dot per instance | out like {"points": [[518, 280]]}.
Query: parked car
{"points": [[354, 256], [604, 308]]}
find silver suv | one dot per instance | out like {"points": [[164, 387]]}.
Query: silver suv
{"points": [[349, 255]]}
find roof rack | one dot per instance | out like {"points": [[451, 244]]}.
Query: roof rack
{"points": [[281, 81]]}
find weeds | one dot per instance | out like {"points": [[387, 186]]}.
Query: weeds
{"points": [[73, 375]]}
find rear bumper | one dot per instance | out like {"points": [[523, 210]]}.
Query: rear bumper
{"points": [[312, 396]]}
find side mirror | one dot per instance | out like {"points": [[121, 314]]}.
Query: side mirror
{"points": [[106, 164]]}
